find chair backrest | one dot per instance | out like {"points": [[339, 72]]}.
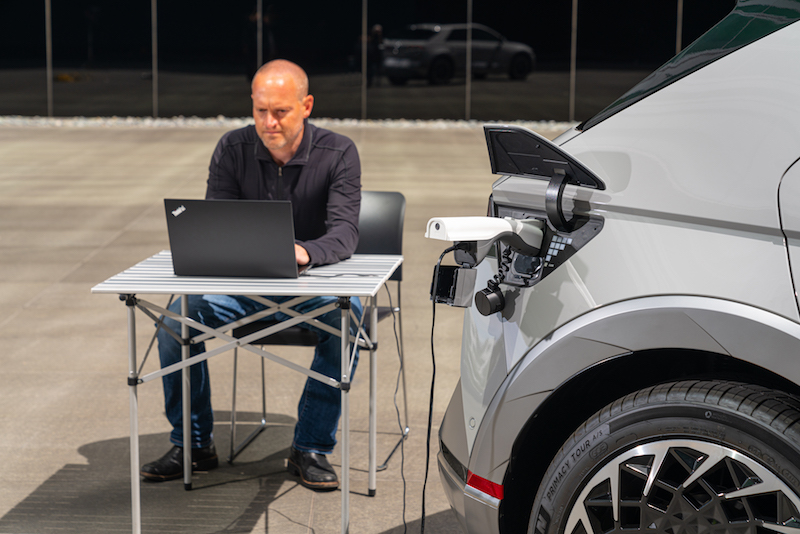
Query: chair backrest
{"points": [[380, 225]]}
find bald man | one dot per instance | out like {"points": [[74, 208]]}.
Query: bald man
{"points": [[281, 157]]}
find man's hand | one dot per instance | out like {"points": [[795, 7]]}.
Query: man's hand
{"points": [[301, 255]]}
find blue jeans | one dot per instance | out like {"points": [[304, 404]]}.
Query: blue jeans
{"points": [[320, 405]]}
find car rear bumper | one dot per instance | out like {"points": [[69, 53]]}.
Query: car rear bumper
{"points": [[475, 513]]}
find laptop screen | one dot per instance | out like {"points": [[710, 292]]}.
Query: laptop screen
{"points": [[231, 238]]}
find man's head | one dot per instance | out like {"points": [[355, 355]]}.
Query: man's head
{"points": [[280, 104]]}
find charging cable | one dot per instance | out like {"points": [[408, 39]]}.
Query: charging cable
{"points": [[403, 429], [433, 383]]}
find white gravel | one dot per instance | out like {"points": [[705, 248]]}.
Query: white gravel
{"points": [[232, 122]]}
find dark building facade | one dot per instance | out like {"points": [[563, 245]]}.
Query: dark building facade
{"points": [[102, 55]]}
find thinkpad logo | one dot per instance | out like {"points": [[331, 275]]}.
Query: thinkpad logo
{"points": [[178, 211]]}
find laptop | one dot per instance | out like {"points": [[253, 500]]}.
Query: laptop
{"points": [[231, 238]]}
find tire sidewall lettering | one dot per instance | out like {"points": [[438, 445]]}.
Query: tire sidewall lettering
{"points": [[789, 476], [592, 445]]}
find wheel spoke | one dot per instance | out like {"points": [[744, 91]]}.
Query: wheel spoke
{"points": [[660, 454], [686, 486], [579, 516]]}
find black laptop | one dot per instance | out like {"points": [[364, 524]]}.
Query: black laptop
{"points": [[232, 238]]}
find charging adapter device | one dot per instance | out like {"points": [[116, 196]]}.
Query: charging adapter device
{"points": [[473, 238], [453, 285]]}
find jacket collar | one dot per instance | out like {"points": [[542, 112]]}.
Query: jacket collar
{"points": [[303, 151]]}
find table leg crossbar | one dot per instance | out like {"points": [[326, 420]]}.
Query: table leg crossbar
{"points": [[231, 343]]}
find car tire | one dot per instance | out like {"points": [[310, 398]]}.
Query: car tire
{"points": [[398, 80], [441, 71], [519, 67], [692, 456]]}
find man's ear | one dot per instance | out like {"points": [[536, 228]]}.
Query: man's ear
{"points": [[308, 105]]}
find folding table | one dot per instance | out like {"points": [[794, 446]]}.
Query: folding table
{"points": [[360, 276]]}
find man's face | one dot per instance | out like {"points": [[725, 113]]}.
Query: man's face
{"points": [[279, 111]]}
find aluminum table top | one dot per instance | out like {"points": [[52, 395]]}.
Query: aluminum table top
{"points": [[362, 275]]}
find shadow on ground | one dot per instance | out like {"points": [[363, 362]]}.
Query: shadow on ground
{"points": [[235, 498], [95, 497]]}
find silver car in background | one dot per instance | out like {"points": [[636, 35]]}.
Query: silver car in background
{"points": [[438, 52], [641, 372]]}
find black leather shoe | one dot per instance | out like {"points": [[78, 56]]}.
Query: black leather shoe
{"points": [[314, 470], [170, 466]]}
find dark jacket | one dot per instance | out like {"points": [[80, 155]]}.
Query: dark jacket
{"points": [[323, 181]]}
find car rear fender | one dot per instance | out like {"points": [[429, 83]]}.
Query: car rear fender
{"points": [[708, 325]]}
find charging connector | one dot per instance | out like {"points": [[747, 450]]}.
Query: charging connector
{"points": [[474, 236]]}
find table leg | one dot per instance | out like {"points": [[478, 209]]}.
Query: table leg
{"points": [[136, 505], [344, 304], [186, 392], [373, 395]]}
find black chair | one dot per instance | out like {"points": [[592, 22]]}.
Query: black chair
{"points": [[380, 232]]}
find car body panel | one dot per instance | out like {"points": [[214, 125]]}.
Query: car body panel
{"points": [[694, 253], [486, 370], [453, 427]]}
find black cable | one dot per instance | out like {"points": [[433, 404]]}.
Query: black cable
{"points": [[502, 270], [433, 383], [397, 408]]}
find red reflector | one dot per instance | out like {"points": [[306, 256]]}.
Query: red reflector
{"points": [[486, 486]]}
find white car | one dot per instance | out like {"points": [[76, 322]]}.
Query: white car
{"points": [[638, 368]]}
